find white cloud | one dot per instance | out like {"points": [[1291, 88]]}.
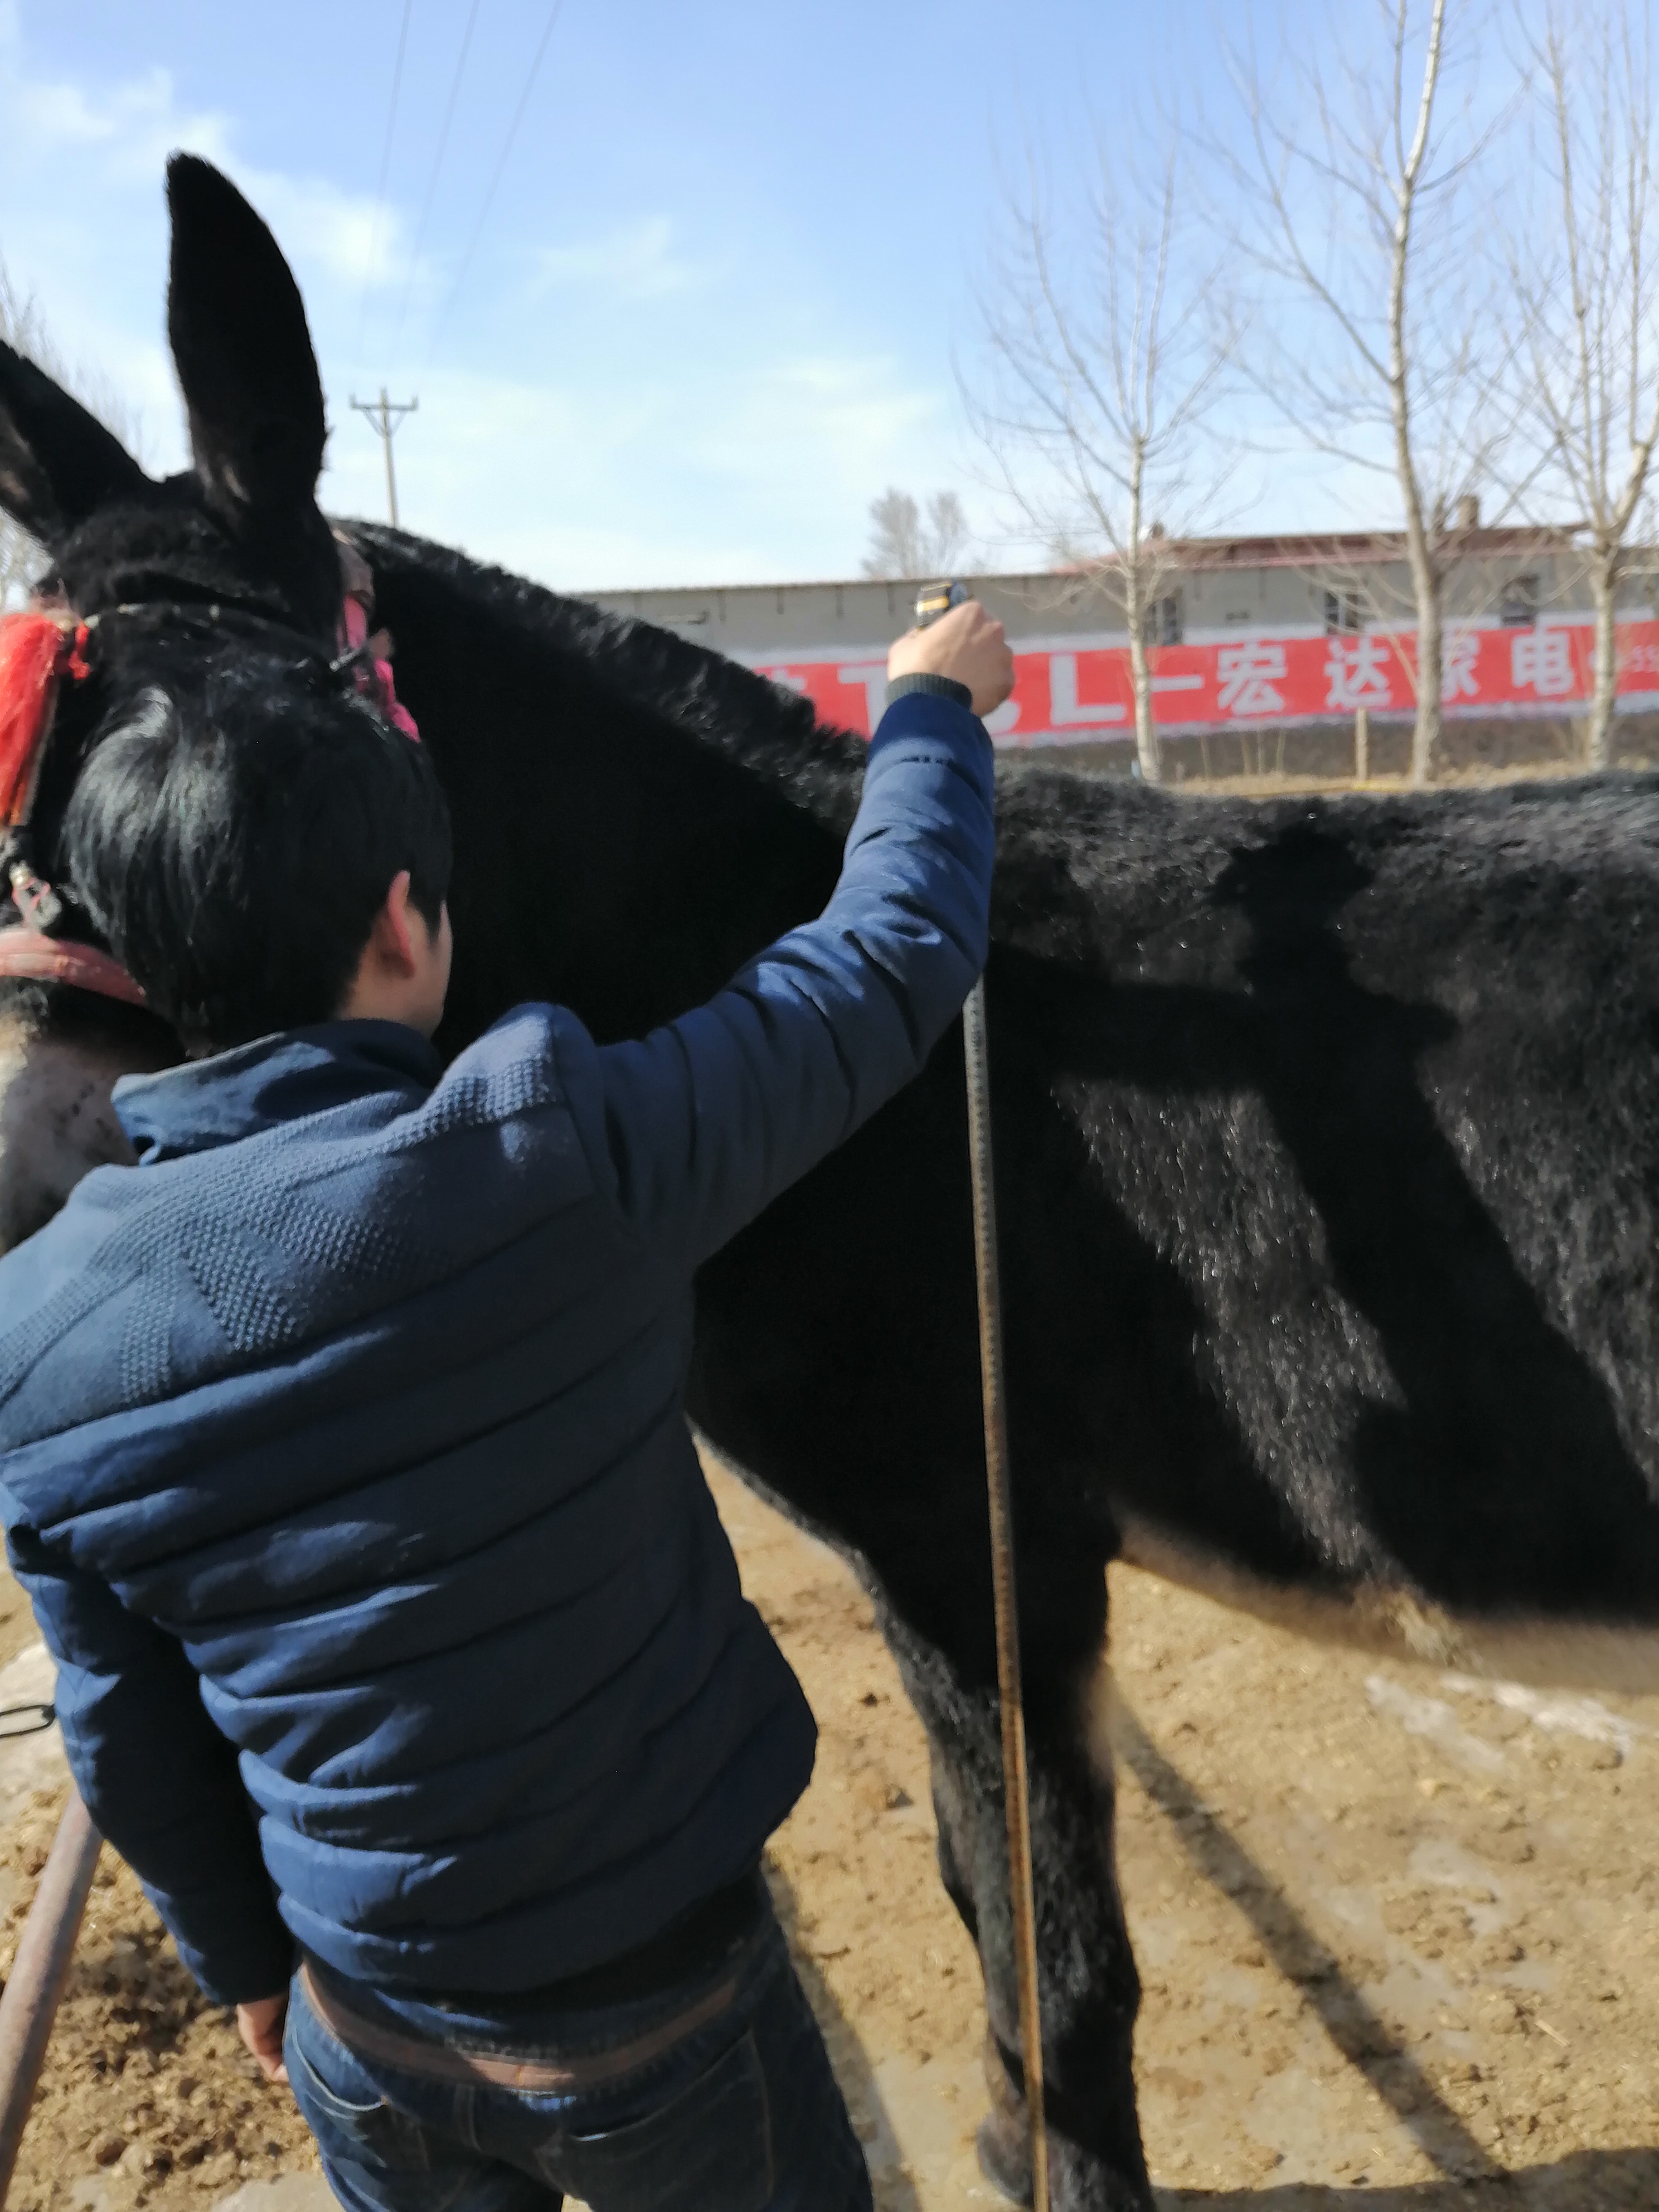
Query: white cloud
{"points": [[583, 488], [729, 462], [637, 262], [855, 417], [136, 125], [57, 114], [132, 128], [350, 235]]}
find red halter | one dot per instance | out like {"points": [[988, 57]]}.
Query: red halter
{"points": [[38, 650], [31, 952]]}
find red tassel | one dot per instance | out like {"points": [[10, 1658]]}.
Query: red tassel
{"points": [[32, 652], [30, 645]]}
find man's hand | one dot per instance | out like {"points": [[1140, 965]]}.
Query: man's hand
{"points": [[966, 646], [260, 2024]]}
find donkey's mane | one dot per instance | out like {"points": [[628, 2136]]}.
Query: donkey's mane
{"points": [[715, 702], [1064, 839], [1089, 867]]}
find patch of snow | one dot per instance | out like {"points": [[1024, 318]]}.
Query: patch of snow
{"points": [[1554, 1711], [1433, 1719]]}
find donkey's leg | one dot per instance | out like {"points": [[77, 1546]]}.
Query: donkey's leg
{"points": [[1090, 1987]]}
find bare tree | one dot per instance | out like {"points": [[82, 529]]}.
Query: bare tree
{"points": [[1581, 248], [903, 543], [1376, 338], [1100, 365], [19, 557], [22, 329]]}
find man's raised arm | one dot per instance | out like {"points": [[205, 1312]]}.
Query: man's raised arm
{"points": [[708, 1118]]}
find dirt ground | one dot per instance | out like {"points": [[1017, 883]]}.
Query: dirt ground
{"points": [[1396, 1931], [1396, 1934]]}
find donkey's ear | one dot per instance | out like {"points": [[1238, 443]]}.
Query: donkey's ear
{"points": [[238, 330], [58, 465]]}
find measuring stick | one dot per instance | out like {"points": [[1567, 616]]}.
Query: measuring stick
{"points": [[1016, 1788], [931, 602]]}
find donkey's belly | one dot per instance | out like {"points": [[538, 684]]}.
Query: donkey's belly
{"points": [[1551, 1652]]}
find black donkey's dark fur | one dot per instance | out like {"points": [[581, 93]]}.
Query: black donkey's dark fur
{"points": [[1327, 1136]]}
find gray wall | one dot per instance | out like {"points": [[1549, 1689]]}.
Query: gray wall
{"points": [[1220, 597]]}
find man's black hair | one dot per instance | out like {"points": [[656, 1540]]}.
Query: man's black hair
{"points": [[234, 844]]}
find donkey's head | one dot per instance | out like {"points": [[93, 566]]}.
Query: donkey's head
{"points": [[173, 577]]}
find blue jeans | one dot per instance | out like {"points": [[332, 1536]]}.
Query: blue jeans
{"points": [[742, 2114]]}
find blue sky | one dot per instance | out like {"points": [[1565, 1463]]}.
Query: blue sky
{"points": [[729, 267]]}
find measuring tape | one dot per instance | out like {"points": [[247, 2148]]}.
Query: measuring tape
{"points": [[933, 600]]}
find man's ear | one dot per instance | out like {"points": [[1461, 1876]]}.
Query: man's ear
{"points": [[58, 465], [243, 351], [394, 925]]}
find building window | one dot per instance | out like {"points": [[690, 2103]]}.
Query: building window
{"points": [[1520, 605], [1343, 612], [1161, 622]]}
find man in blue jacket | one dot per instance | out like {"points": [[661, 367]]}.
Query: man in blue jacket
{"points": [[344, 1460]]}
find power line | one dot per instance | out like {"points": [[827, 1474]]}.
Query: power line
{"points": [[437, 164], [386, 171], [554, 14]]}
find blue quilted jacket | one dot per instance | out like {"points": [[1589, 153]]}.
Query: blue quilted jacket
{"points": [[342, 1455]]}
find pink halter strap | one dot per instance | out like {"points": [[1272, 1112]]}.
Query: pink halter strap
{"points": [[373, 673]]}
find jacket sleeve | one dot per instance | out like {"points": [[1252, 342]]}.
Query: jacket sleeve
{"points": [[159, 1780], [708, 1119]]}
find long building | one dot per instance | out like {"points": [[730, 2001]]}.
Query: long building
{"points": [[1252, 638]]}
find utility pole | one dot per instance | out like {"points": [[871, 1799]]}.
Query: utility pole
{"points": [[386, 417]]}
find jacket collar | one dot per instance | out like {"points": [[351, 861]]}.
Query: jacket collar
{"points": [[259, 1086]]}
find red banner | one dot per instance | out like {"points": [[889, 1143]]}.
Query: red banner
{"points": [[1077, 690]]}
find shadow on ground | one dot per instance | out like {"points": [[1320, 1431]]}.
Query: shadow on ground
{"points": [[1589, 2181], [1365, 2040], [1470, 2181]]}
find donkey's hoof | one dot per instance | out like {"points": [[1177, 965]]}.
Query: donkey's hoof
{"points": [[1005, 2157]]}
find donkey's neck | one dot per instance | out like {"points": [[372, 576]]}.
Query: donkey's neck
{"points": [[634, 815]]}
